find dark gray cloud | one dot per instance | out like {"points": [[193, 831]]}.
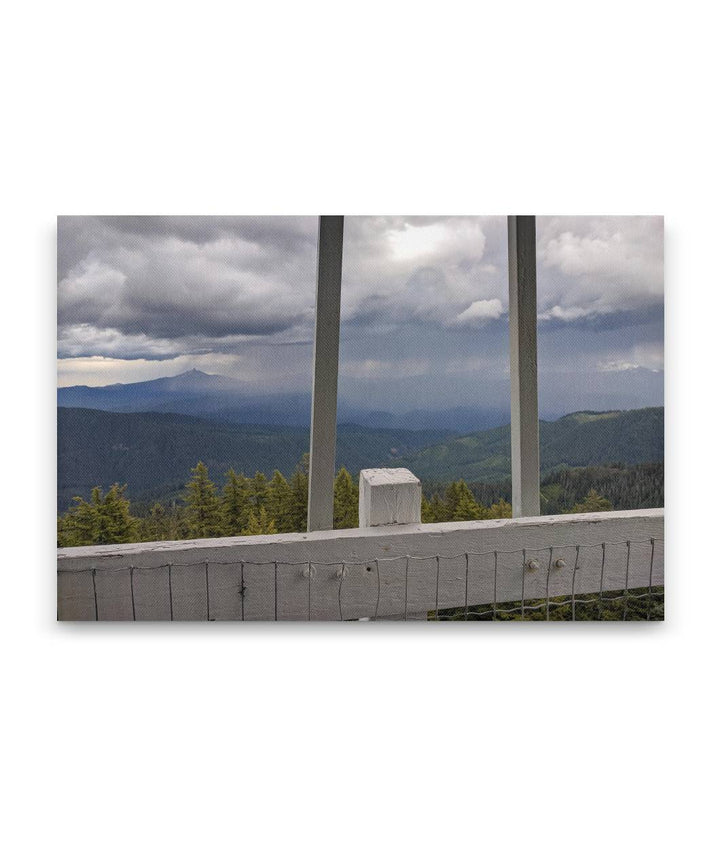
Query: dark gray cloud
{"points": [[424, 302], [164, 283]]}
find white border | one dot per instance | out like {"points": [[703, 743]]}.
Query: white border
{"points": [[542, 738]]}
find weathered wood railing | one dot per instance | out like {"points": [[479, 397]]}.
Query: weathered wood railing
{"points": [[379, 572]]}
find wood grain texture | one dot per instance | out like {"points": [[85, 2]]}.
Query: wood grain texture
{"points": [[389, 495], [522, 312], [298, 577], [323, 426]]}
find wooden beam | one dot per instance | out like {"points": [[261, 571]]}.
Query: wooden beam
{"points": [[296, 576], [525, 432], [323, 426]]}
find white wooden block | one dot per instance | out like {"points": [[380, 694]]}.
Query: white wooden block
{"points": [[389, 495]]}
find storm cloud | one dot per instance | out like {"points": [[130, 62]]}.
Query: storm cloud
{"points": [[423, 297]]}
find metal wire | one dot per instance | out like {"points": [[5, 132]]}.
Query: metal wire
{"points": [[547, 587], [494, 609], [132, 591], [95, 594], [652, 557], [627, 580], [207, 589], [342, 580], [377, 602], [309, 575], [407, 568], [242, 591], [437, 586], [169, 567], [276, 591], [575, 567], [467, 574]]}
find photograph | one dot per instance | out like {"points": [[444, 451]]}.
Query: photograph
{"points": [[360, 418], [351, 353]]}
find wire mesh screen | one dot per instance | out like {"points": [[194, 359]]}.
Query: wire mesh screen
{"points": [[605, 581]]}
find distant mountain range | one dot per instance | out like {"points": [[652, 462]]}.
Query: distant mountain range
{"points": [[153, 452], [196, 393]]}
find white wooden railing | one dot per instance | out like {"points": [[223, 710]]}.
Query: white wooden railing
{"points": [[379, 572]]}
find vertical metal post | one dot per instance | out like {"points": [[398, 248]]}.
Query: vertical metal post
{"points": [[524, 425], [323, 426]]}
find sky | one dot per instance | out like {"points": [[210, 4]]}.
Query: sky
{"points": [[424, 307]]}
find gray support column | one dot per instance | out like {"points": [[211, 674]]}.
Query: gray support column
{"points": [[525, 428], [323, 426]]}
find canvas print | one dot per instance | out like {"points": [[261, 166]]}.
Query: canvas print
{"points": [[360, 418]]}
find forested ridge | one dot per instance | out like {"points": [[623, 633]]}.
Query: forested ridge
{"points": [[153, 452], [581, 439]]}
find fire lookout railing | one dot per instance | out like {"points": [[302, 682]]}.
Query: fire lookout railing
{"points": [[441, 571]]}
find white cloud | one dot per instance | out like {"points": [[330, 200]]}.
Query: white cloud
{"points": [[417, 241], [644, 355], [419, 268], [560, 313], [480, 310], [598, 265]]}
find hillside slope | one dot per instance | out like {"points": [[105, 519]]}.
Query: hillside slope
{"points": [[578, 439], [153, 452]]}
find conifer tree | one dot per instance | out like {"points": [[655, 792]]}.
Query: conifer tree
{"points": [[459, 494], [235, 503], [103, 520], [466, 508], [180, 523], [346, 501], [592, 502], [202, 504], [278, 502], [426, 510], [298, 500], [115, 524], [252, 526], [265, 523], [258, 490], [500, 509], [437, 511], [259, 524], [157, 527], [451, 499], [79, 527]]}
